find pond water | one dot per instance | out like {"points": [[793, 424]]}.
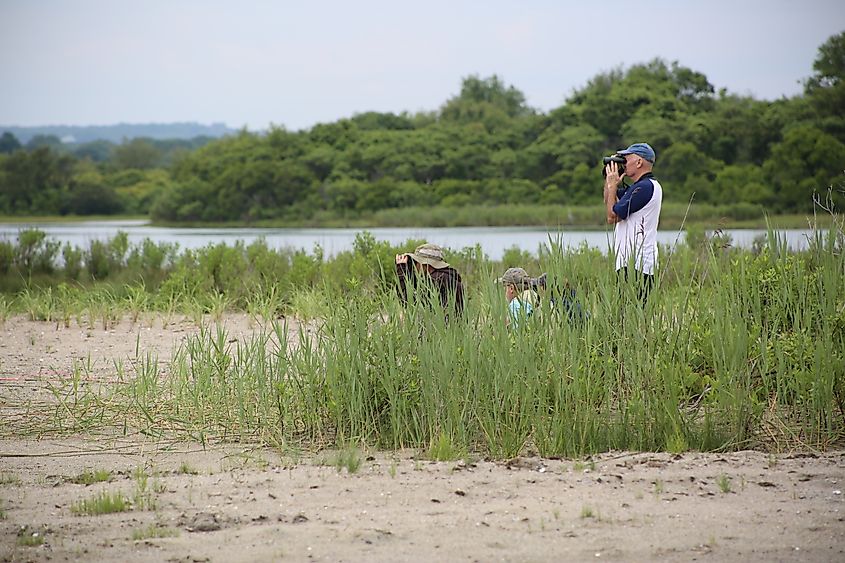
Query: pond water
{"points": [[493, 240]]}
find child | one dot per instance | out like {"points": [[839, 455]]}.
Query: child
{"points": [[522, 299]]}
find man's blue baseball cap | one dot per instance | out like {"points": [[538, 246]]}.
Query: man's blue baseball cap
{"points": [[640, 149]]}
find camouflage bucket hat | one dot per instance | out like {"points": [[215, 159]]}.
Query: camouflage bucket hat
{"points": [[515, 276], [430, 254]]}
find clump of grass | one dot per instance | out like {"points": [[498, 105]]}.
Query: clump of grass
{"points": [[309, 304], [443, 448], [724, 483], [264, 306], [8, 478], [587, 512], [676, 443], [153, 531], [187, 469], [580, 466], [101, 503], [216, 305], [5, 309], [144, 497], [137, 301], [28, 538], [89, 477], [348, 458]]}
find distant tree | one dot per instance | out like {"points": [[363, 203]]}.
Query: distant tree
{"points": [[89, 195], [610, 99], [49, 141], [97, 151], [741, 182], [35, 182], [137, 153], [491, 90], [682, 162], [375, 120], [826, 88], [829, 65], [806, 162], [487, 101], [9, 143]]}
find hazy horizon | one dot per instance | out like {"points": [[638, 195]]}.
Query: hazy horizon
{"points": [[257, 64]]}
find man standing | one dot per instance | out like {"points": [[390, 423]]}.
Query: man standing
{"points": [[636, 212]]}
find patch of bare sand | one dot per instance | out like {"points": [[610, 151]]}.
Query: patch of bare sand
{"points": [[257, 504]]}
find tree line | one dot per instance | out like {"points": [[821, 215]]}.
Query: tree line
{"points": [[484, 146]]}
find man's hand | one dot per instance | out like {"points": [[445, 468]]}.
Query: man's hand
{"points": [[401, 258], [611, 181], [612, 176]]}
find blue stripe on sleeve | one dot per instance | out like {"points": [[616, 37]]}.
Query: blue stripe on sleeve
{"points": [[635, 198]]}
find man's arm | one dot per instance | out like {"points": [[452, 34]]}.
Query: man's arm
{"points": [[609, 201], [611, 180], [405, 275], [637, 196]]}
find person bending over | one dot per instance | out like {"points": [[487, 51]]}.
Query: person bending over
{"points": [[425, 267]]}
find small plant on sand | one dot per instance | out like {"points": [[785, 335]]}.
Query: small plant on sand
{"points": [[5, 309], [676, 443], [89, 477], [580, 466], [7, 478], [264, 306], [307, 304], [587, 512], [144, 498], [443, 449], [187, 469], [101, 503], [137, 301], [711, 541], [724, 483], [216, 305], [153, 531], [392, 469], [38, 306], [30, 538], [349, 458]]}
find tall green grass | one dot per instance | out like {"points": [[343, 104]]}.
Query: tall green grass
{"points": [[734, 349]]}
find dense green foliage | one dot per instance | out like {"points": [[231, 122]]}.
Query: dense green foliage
{"points": [[734, 349], [483, 147]]}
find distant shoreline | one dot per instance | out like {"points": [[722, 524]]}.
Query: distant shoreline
{"points": [[673, 217]]}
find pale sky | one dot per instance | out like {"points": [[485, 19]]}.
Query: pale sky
{"points": [[256, 63]]}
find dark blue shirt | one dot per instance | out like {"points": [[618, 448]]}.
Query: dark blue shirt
{"points": [[635, 197]]}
